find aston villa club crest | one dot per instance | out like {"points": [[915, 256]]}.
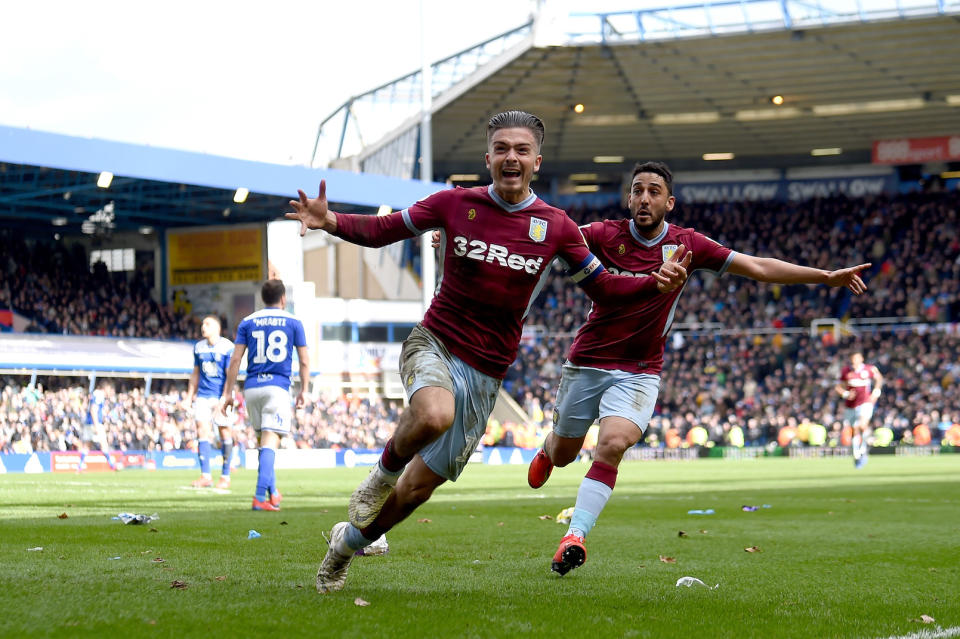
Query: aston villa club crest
{"points": [[621, 249], [668, 251], [471, 214], [538, 229]]}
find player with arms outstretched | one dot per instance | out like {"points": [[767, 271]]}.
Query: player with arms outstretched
{"points": [[211, 358], [271, 334], [613, 367], [497, 244], [859, 386]]}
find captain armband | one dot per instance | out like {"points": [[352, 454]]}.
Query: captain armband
{"points": [[588, 269]]}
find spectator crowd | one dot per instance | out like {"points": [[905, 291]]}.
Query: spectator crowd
{"points": [[723, 381]]}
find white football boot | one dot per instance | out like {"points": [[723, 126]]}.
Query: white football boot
{"points": [[369, 497], [332, 573]]}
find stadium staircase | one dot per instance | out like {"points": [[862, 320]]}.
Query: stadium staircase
{"points": [[507, 410]]}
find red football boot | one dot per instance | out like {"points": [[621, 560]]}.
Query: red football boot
{"points": [[540, 469], [569, 555]]}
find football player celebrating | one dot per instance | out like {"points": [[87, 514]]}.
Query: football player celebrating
{"points": [[613, 367], [497, 245]]}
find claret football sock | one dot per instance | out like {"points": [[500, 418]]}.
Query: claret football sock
{"points": [[391, 463]]}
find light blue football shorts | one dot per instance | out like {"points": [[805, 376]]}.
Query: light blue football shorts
{"points": [[425, 361], [269, 408], [862, 412], [587, 394]]}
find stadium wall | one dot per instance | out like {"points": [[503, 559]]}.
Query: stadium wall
{"points": [[289, 459]]}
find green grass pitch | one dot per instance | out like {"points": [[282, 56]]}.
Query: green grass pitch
{"points": [[842, 553]]}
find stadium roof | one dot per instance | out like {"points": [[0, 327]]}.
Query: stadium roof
{"points": [[47, 178], [679, 82]]}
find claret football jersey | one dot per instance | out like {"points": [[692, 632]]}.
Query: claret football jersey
{"points": [[495, 256], [630, 336]]}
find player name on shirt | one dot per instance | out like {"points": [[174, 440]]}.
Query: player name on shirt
{"points": [[269, 321]]}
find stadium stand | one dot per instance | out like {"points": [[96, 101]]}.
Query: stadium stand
{"points": [[741, 357]]}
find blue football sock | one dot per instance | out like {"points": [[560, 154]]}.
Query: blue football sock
{"points": [[203, 452], [227, 450], [265, 477], [591, 498]]}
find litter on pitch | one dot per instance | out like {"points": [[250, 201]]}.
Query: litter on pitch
{"points": [[693, 581], [563, 517], [130, 518], [253, 534], [708, 511], [35, 549]]}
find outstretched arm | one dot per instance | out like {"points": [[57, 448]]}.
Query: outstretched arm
{"points": [[769, 269], [365, 230], [605, 288]]}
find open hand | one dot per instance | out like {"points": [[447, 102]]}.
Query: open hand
{"points": [[312, 213]]}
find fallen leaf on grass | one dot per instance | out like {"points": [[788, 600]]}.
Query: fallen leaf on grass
{"points": [[499, 523], [158, 560], [324, 510], [179, 585], [668, 560], [924, 619], [753, 549], [283, 523], [703, 532], [545, 517], [424, 521], [220, 578], [682, 533], [932, 569], [62, 516], [152, 622], [361, 602], [154, 530]]}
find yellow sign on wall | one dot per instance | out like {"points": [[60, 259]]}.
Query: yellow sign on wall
{"points": [[213, 256]]}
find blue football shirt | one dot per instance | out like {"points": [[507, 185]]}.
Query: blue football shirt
{"points": [[271, 336], [213, 362]]}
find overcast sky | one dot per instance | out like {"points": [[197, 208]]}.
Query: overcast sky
{"points": [[242, 79]]}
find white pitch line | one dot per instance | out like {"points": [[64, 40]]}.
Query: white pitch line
{"points": [[939, 633]]}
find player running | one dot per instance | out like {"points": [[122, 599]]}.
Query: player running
{"points": [[613, 367], [211, 357], [854, 387], [496, 249], [271, 334]]}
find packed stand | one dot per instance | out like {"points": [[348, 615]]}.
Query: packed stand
{"points": [[34, 418], [54, 286]]}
